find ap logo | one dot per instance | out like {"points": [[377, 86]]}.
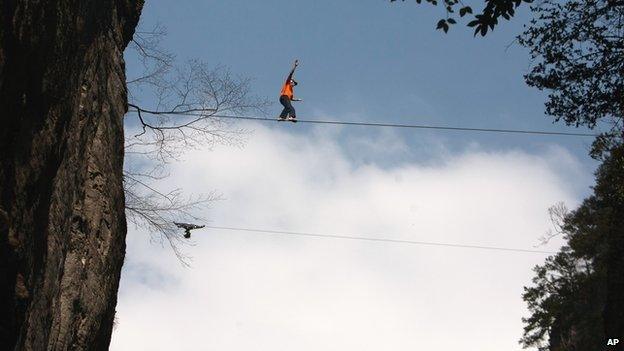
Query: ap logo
{"points": [[613, 342]]}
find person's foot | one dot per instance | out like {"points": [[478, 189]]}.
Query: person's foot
{"points": [[292, 119], [280, 118]]}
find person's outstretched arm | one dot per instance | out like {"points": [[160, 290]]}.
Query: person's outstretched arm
{"points": [[292, 71]]}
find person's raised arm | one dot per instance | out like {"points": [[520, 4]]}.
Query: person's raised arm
{"points": [[292, 71]]}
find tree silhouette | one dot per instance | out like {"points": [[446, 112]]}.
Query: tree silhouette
{"points": [[576, 300], [577, 47], [482, 22]]}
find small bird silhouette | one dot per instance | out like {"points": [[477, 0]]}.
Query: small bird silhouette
{"points": [[187, 228]]}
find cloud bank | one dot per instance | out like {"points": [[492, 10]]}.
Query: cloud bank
{"points": [[250, 291]]}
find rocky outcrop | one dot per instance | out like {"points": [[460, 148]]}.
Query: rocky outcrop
{"points": [[62, 223]]}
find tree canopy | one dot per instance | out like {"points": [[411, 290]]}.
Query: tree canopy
{"points": [[571, 301], [577, 48]]}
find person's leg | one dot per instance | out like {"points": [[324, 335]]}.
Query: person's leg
{"points": [[286, 103], [291, 109]]}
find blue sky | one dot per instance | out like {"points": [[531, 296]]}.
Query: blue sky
{"points": [[360, 61], [371, 60]]}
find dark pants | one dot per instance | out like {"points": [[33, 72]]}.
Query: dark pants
{"points": [[288, 109]]}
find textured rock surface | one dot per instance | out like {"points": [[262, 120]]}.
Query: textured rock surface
{"points": [[62, 223]]}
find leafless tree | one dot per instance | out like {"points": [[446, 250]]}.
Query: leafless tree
{"points": [[146, 49], [557, 213], [185, 105]]}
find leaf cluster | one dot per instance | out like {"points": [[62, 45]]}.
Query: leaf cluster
{"points": [[482, 22], [577, 48]]}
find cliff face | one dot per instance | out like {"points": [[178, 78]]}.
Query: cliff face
{"points": [[62, 223]]}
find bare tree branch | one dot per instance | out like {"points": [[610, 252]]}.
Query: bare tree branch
{"points": [[156, 61], [557, 214], [149, 208], [184, 101]]}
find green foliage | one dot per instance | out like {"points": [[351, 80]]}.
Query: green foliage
{"points": [[569, 294], [566, 304], [577, 47], [486, 20], [577, 50]]}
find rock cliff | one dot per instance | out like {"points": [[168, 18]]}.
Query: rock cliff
{"points": [[62, 223]]}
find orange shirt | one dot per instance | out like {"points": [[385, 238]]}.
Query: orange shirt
{"points": [[287, 90]]}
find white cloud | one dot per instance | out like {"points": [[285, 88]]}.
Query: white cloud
{"points": [[249, 291]]}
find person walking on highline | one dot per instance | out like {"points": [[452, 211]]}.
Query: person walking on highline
{"points": [[287, 95]]}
